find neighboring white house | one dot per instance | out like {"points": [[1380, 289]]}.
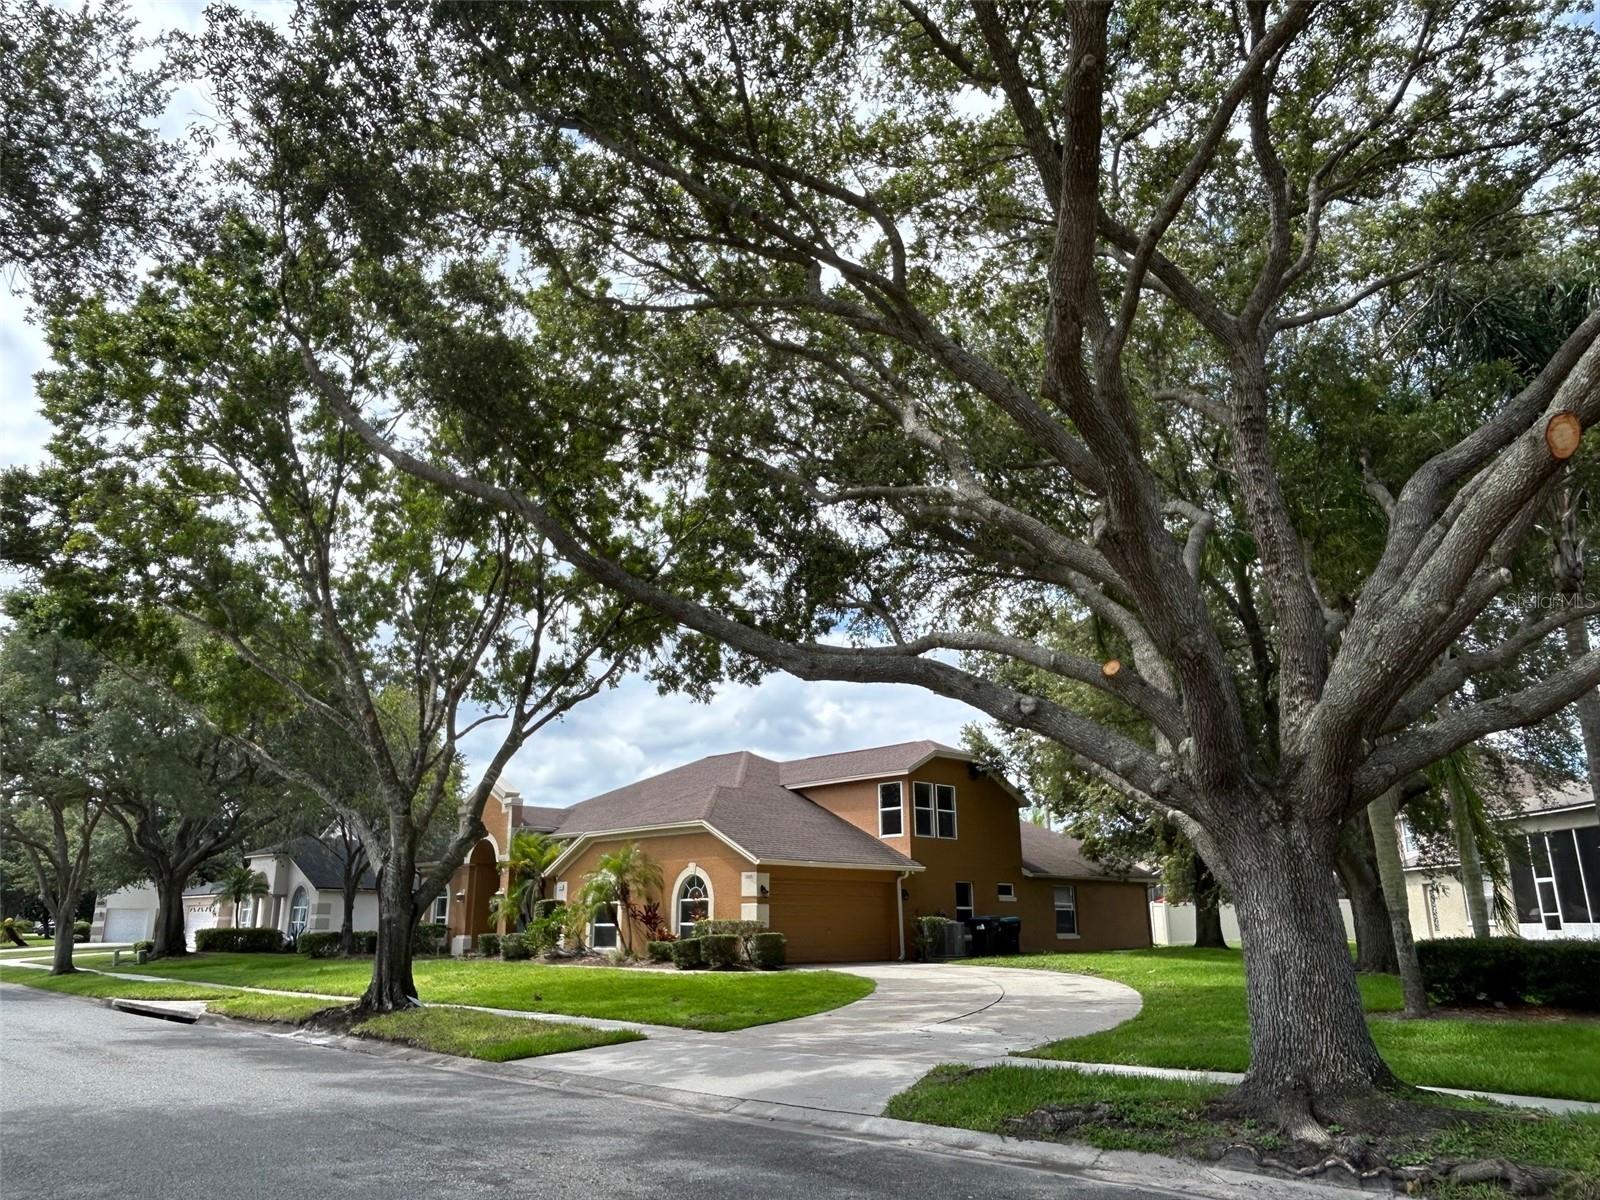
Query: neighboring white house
{"points": [[305, 891], [1555, 872]]}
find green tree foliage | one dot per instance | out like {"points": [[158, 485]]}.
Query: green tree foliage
{"points": [[86, 180]]}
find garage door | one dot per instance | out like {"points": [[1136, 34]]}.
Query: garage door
{"points": [[197, 918], [128, 924], [835, 921]]}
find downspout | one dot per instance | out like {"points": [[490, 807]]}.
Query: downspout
{"points": [[900, 910]]}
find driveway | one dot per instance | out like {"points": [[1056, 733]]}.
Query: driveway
{"points": [[855, 1058]]}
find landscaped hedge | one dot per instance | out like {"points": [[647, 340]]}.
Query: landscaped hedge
{"points": [[1562, 974], [239, 941], [721, 950], [430, 938], [768, 950], [146, 947], [489, 944], [80, 931], [660, 952], [318, 945], [687, 954]]}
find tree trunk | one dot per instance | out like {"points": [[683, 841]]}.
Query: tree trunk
{"points": [[1358, 869], [1312, 1058], [1386, 847], [64, 915], [1207, 907], [169, 937], [347, 924], [1471, 863], [392, 986]]}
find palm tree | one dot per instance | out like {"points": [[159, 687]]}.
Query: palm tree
{"points": [[240, 883], [529, 856], [617, 878]]}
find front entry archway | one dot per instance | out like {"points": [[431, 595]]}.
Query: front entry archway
{"points": [[483, 881]]}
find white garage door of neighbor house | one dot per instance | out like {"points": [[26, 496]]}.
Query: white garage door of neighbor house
{"points": [[196, 919], [127, 924]]}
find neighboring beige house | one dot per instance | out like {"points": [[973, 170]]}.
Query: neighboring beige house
{"points": [[1555, 872], [305, 892], [839, 853]]}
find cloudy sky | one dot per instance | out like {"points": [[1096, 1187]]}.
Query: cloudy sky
{"points": [[615, 738]]}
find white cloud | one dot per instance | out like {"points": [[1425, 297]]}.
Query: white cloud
{"points": [[631, 731]]}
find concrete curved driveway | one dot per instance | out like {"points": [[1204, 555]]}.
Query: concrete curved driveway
{"points": [[853, 1059]]}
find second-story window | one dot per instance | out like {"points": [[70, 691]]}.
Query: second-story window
{"points": [[922, 809], [891, 810], [945, 798]]}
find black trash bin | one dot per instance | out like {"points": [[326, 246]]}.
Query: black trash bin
{"points": [[1008, 937], [984, 931]]}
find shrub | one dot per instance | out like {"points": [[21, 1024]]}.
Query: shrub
{"points": [[489, 944], [745, 931], [318, 945], [544, 933], [240, 941], [429, 939], [660, 951], [364, 941], [1563, 974], [545, 908], [721, 950], [927, 935], [145, 947], [768, 950], [687, 954], [516, 949], [80, 931]]}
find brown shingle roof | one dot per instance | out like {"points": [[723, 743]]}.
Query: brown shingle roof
{"points": [[540, 819], [1046, 852], [862, 764], [740, 796]]}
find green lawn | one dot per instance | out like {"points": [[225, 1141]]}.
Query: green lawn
{"points": [[103, 987], [714, 1001], [1194, 1017], [1161, 1115], [487, 1036], [445, 1030]]}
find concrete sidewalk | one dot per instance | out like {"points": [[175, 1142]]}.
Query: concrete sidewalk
{"points": [[1550, 1104]]}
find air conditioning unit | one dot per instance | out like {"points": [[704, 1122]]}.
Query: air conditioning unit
{"points": [[956, 940]]}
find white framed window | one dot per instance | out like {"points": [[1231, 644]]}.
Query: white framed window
{"points": [[945, 805], [964, 909], [922, 809], [1066, 904], [891, 810], [246, 909], [299, 911], [603, 927], [693, 903], [440, 911], [1006, 891]]}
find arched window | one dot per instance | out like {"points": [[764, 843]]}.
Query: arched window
{"points": [[694, 903], [299, 910]]}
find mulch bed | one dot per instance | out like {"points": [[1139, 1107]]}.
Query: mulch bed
{"points": [[1370, 1160]]}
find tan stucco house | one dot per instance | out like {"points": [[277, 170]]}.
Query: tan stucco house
{"points": [[1554, 852], [840, 853]]}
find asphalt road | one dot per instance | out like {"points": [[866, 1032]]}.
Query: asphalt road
{"points": [[97, 1103]]}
